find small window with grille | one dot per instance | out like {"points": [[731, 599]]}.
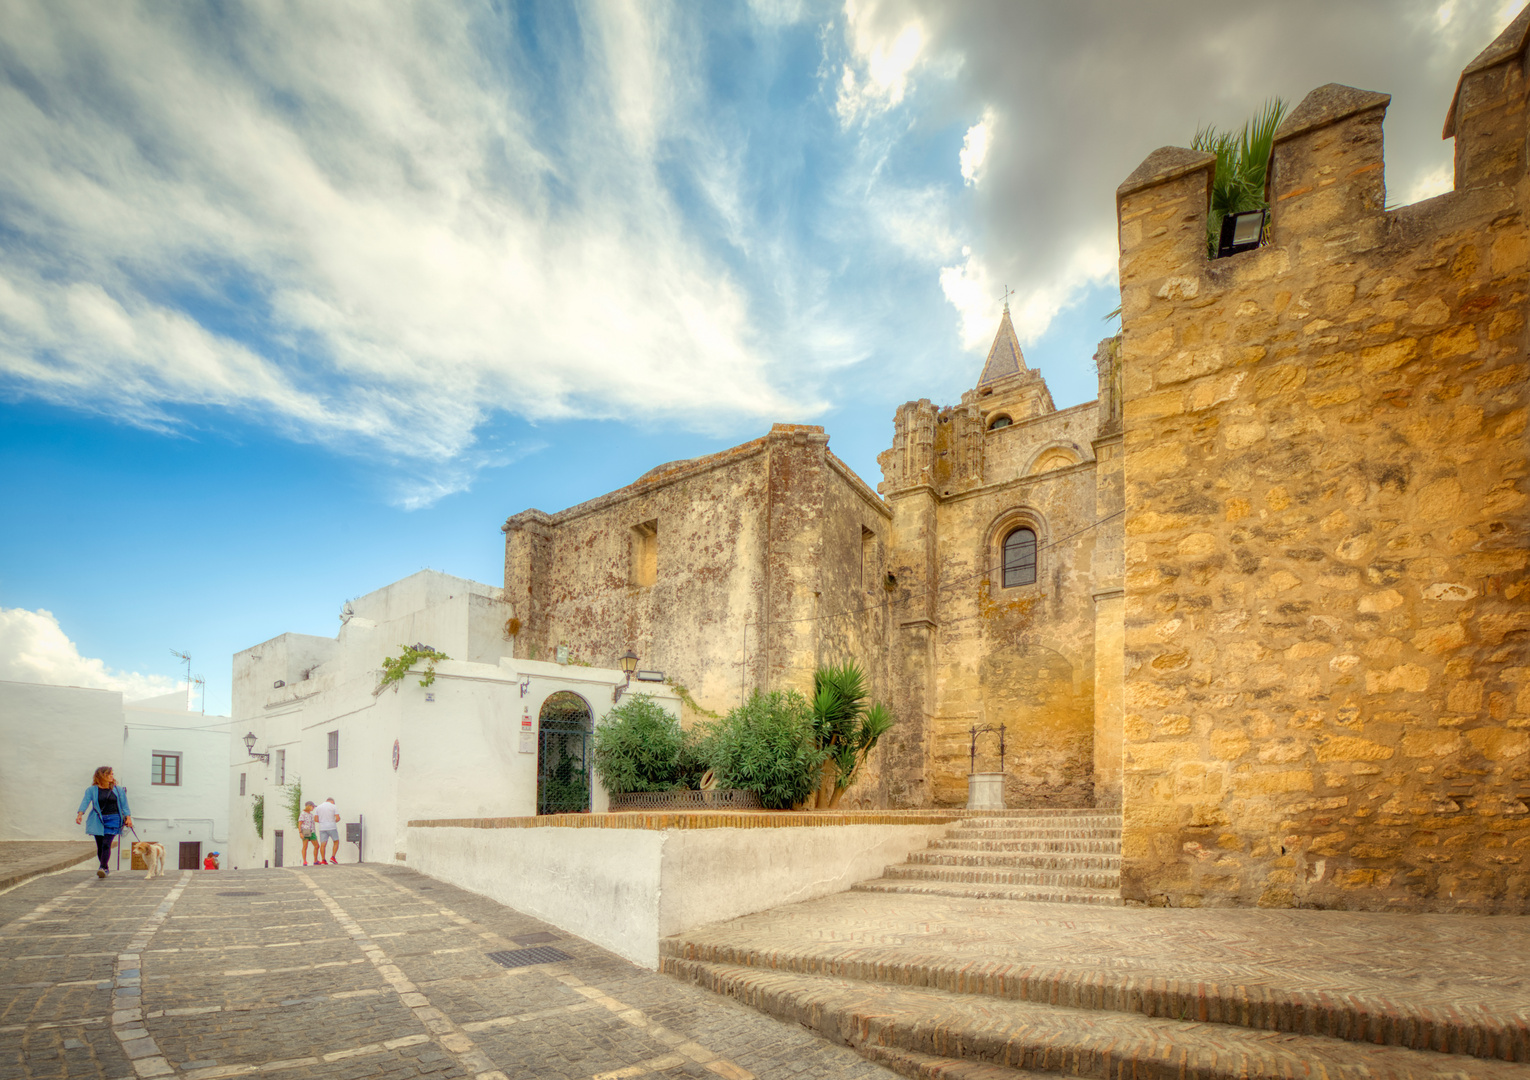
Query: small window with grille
{"points": [[1019, 558], [334, 749]]}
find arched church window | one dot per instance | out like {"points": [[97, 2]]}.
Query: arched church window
{"points": [[999, 422], [1019, 558]]}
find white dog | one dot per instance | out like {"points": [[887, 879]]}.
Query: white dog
{"points": [[153, 855]]}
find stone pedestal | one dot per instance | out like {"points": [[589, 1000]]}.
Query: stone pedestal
{"points": [[985, 791]]}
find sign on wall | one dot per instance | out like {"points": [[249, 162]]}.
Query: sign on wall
{"points": [[528, 736]]}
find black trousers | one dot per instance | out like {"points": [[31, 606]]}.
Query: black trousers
{"points": [[104, 849]]}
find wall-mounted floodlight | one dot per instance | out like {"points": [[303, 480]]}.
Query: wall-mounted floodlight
{"points": [[629, 665], [1242, 232], [249, 746]]}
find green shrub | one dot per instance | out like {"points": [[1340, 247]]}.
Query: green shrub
{"points": [[640, 747], [766, 746]]}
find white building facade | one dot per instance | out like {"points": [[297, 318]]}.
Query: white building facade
{"points": [[490, 737], [172, 761]]}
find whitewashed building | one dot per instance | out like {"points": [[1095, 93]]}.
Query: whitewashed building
{"points": [[171, 760], [492, 736]]}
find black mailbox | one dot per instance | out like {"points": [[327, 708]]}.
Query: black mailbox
{"points": [[353, 832]]}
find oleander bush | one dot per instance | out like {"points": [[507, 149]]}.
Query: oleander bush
{"points": [[640, 747], [766, 746]]}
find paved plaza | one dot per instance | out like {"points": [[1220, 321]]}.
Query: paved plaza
{"points": [[344, 973]]}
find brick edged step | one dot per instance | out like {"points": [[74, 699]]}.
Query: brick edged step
{"points": [[1057, 856], [917, 1066], [1450, 1025], [1053, 1039], [980, 891]]}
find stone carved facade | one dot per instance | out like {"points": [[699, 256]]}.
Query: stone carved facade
{"points": [[1279, 612]]}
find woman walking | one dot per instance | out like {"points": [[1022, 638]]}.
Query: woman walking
{"points": [[108, 807]]}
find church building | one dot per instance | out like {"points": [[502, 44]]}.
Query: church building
{"points": [[972, 591]]}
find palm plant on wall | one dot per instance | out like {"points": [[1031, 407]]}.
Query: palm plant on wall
{"points": [[845, 726], [1243, 163]]}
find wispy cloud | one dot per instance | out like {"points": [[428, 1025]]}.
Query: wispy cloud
{"points": [[34, 648], [352, 220]]}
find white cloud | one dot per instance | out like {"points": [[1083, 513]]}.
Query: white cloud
{"points": [[34, 648], [1431, 182], [973, 288], [345, 220], [883, 54], [974, 152]]}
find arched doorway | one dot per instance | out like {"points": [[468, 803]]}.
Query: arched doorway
{"points": [[563, 754]]}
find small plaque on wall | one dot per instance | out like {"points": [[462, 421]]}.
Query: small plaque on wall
{"points": [[528, 736]]}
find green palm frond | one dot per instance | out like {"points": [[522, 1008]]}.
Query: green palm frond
{"points": [[1243, 163]]}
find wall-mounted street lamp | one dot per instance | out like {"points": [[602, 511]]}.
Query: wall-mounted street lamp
{"points": [[249, 746], [629, 665]]}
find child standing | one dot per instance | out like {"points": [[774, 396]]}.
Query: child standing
{"points": [[307, 831]]}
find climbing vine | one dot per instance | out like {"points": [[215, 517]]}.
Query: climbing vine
{"points": [[685, 697], [394, 668], [258, 812]]}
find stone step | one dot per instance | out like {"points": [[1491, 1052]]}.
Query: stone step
{"points": [[1049, 879], [1005, 860], [1034, 859], [912, 1063], [1044, 812], [1103, 835], [1058, 1039], [1073, 847], [1487, 1020], [1101, 821], [979, 891]]}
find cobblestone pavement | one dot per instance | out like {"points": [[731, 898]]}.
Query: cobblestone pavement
{"points": [[343, 973], [21, 860]]}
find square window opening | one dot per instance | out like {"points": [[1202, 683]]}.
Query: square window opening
{"points": [[165, 768]]}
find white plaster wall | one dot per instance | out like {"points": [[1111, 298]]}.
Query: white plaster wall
{"points": [[459, 740], [53, 739], [197, 808], [624, 889], [601, 884], [710, 875]]}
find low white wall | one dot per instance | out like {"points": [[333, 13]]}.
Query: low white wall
{"points": [[624, 889], [601, 884]]}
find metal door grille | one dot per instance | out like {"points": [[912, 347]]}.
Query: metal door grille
{"points": [[563, 755]]}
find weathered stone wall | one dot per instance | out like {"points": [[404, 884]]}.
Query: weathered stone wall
{"points": [[758, 574], [967, 652], [1327, 687]]}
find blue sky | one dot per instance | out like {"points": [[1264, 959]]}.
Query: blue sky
{"points": [[298, 299]]}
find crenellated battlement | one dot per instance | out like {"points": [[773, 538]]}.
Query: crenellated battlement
{"points": [[1325, 519]]}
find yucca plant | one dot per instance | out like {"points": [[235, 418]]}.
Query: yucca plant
{"points": [[845, 727], [1243, 163]]}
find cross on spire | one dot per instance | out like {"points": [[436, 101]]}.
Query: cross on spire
{"points": [[1007, 294]]}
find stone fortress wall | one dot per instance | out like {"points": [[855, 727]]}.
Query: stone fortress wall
{"points": [[1327, 681], [732, 572], [1280, 612]]}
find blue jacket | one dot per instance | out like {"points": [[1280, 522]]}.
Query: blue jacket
{"points": [[92, 802]]}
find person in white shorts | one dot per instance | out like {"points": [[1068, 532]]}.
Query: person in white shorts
{"points": [[327, 818]]}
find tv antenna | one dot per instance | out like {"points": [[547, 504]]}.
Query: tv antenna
{"points": [[186, 656]]}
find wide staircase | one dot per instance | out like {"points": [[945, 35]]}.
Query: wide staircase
{"points": [[1051, 856], [1003, 952]]}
